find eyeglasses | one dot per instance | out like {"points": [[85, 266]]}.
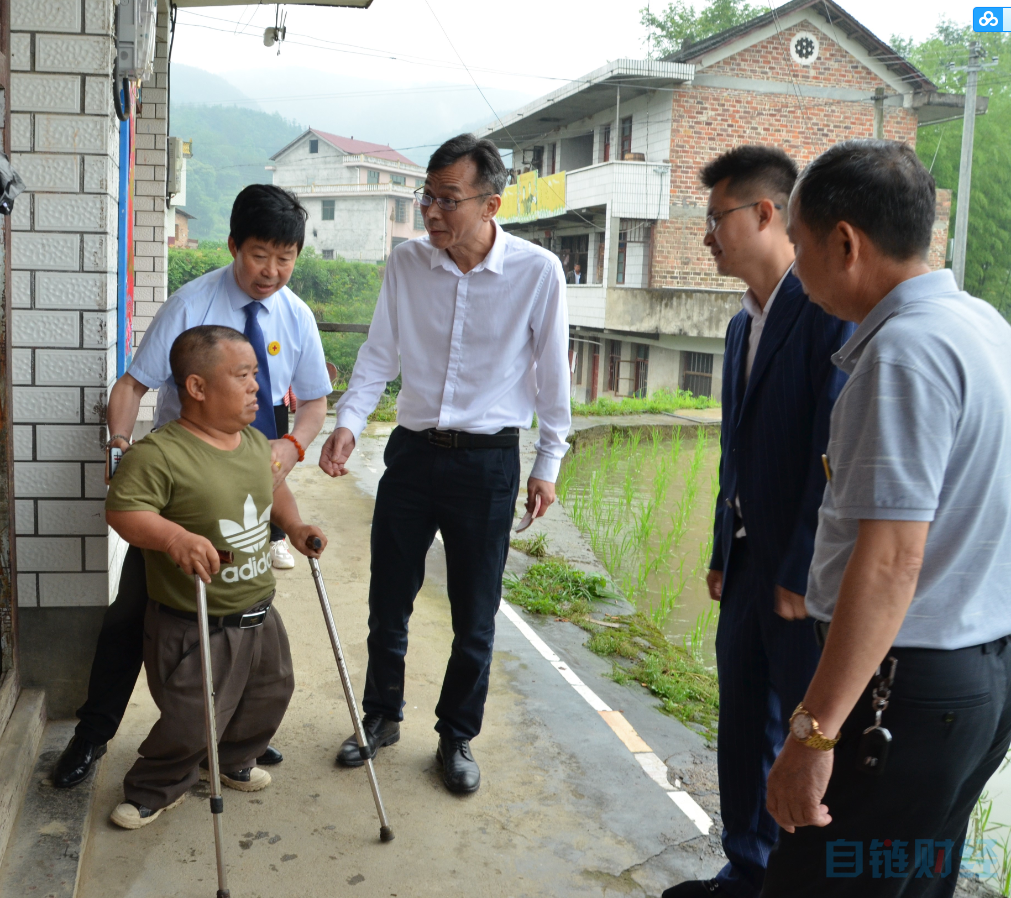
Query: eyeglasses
{"points": [[713, 219], [445, 203]]}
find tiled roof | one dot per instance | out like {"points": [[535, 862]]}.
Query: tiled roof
{"points": [[835, 15], [364, 147]]}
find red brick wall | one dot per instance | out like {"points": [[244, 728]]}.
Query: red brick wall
{"points": [[708, 121], [939, 241]]}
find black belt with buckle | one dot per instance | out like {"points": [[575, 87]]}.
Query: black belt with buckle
{"points": [[245, 620], [506, 438]]}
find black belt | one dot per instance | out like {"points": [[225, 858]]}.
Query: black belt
{"points": [[506, 438], [245, 620]]}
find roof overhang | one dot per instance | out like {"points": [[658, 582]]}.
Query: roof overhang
{"points": [[360, 4], [934, 107], [585, 96]]}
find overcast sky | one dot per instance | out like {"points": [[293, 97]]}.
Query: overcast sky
{"points": [[526, 45]]}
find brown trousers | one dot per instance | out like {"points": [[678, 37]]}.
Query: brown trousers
{"points": [[253, 683]]}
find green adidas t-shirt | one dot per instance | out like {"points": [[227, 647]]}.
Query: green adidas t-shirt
{"points": [[225, 496]]}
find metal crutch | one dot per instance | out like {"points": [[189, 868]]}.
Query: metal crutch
{"points": [[217, 802], [385, 831]]}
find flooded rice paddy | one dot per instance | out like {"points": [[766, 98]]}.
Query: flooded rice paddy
{"points": [[644, 498]]}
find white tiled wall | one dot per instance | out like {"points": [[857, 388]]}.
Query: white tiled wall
{"points": [[150, 246], [63, 327]]}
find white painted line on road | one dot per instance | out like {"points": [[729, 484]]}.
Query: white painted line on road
{"points": [[528, 632], [692, 811], [651, 764], [592, 699], [655, 769]]}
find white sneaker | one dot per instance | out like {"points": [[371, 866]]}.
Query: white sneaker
{"points": [[280, 557], [131, 816]]}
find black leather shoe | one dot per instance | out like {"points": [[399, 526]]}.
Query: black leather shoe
{"points": [[76, 762], [379, 732], [270, 757], [460, 772], [694, 888]]}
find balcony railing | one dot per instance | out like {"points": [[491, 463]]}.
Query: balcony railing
{"points": [[632, 190], [380, 162]]}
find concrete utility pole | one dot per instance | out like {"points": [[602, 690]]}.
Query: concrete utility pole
{"points": [[973, 69]]}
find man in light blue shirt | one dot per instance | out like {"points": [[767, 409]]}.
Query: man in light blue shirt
{"points": [[909, 712], [251, 296]]}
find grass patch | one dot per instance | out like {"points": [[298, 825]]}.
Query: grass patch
{"points": [[536, 546], [386, 410], [661, 401], [687, 689]]}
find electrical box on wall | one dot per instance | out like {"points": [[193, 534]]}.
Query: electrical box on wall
{"points": [[174, 182], [136, 23]]}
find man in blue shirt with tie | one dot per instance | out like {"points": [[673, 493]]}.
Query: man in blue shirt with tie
{"points": [[250, 295]]}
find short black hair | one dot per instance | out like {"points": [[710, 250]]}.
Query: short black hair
{"points": [[490, 168], [753, 170], [878, 186], [268, 213], [196, 349]]}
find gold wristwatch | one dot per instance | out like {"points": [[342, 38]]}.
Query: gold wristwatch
{"points": [[804, 728]]}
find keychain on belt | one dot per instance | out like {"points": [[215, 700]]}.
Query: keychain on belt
{"points": [[873, 751]]}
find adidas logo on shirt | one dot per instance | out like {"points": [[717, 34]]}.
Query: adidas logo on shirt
{"points": [[252, 533], [248, 537]]}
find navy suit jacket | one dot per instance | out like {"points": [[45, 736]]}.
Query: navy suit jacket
{"points": [[775, 430]]}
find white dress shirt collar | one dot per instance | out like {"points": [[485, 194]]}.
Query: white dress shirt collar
{"points": [[239, 299], [751, 305], [491, 262]]}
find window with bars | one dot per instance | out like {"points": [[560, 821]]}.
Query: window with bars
{"points": [[328, 209], [371, 177], [419, 219], [640, 370], [328, 254], [697, 373], [400, 211], [613, 366]]}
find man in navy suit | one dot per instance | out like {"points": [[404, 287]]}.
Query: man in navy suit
{"points": [[779, 385]]}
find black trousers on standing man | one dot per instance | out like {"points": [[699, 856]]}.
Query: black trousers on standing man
{"points": [[901, 834], [469, 494]]}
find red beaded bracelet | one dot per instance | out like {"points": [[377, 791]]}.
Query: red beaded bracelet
{"points": [[298, 445]]}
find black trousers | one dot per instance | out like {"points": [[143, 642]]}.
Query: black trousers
{"points": [[281, 422], [119, 654], [469, 495], [765, 664], [901, 833]]}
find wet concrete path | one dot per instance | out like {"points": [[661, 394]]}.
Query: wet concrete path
{"points": [[565, 808]]}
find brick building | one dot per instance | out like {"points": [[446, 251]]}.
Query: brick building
{"points": [[90, 227], [608, 171]]}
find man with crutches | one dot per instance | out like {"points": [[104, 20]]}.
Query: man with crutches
{"points": [[200, 485]]}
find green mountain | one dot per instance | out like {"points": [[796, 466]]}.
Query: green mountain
{"points": [[231, 146]]}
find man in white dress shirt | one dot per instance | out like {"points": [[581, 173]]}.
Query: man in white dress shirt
{"points": [[474, 320]]}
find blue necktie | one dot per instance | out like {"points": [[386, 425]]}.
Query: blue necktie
{"points": [[265, 422]]}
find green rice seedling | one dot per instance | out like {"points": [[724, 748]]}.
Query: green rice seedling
{"points": [[693, 641]]}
